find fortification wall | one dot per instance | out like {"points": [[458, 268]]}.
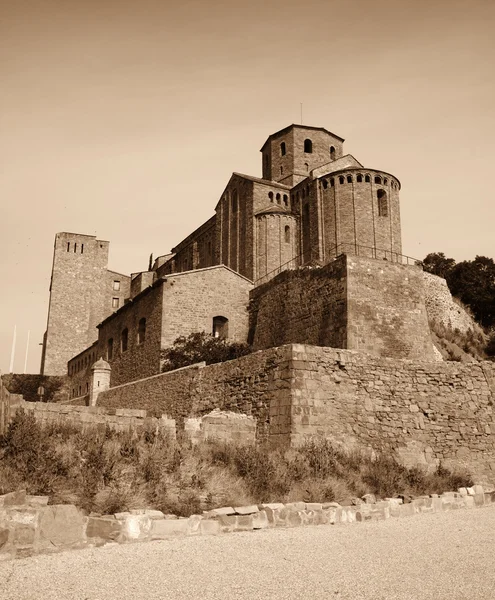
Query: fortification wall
{"points": [[359, 303], [386, 310], [244, 385], [304, 306], [424, 412], [442, 308]]}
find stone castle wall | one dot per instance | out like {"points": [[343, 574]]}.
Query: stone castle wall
{"points": [[374, 306], [422, 412]]}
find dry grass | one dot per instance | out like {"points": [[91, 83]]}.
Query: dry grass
{"points": [[108, 472]]}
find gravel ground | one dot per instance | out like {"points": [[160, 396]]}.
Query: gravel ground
{"points": [[447, 555]]}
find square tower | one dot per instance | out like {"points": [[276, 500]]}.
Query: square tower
{"points": [[291, 153]]}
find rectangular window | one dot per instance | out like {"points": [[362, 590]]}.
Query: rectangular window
{"points": [[116, 285], [115, 302]]}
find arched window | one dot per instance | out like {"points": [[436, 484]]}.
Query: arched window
{"points": [[378, 180], [220, 327], [308, 146], [306, 166], [234, 201], [382, 203], [141, 331], [325, 184], [367, 178], [270, 195], [287, 234], [332, 153], [282, 149], [385, 181], [278, 198], [110, 349], [286, 200], [124, 340], [341, 180], [349, 178], [359, 178], [332, 182]]}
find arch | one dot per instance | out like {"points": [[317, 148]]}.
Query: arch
{"points": [[124, 340], [270, 195], [306, 166], [278, 198], [110, 349], [367, 178], [286, 199], [325, 184], [287, 234], [141, 337], [282, 149], [382, 203], [359, 178], [378, 180], [349, 178], [332, 152], [332, 182], [220, 327], [308, 146], [385, 181], [341, 179]]}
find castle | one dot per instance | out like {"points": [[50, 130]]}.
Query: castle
{"points": [[313, 204]]}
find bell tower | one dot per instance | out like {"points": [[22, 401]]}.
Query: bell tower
{"points": [[291, 153]]}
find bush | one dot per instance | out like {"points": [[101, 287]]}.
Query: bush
{"points": [[110, 471], [199, 347]]}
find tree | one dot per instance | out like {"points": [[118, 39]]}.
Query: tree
{"points": [[473, 282], [438, 264], [199, 347]]}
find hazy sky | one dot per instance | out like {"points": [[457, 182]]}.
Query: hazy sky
{"points": [[124, 119]]}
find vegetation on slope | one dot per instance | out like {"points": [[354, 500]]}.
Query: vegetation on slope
{"points": [[107, 472], [473, 283]]}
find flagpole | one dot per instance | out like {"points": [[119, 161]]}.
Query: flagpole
{"points": [[12, 354], [27, 350]]}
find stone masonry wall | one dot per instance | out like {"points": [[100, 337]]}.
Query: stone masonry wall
{"points": [[8, 404], [246, 385], [303, 306], [386, 310], [423, 412]]}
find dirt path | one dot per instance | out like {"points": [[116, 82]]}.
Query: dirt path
{"points": [[439, 556]]}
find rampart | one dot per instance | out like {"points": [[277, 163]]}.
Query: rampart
{"points": [[358, 303]]}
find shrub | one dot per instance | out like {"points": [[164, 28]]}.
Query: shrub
{"points": [[199, 347]]}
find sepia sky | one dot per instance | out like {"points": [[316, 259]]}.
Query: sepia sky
{"points": [[124, 119]]}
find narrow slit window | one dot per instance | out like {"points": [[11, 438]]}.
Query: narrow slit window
{"points": [[82, 248], [382, 203], [142, 331], [287, 234]]}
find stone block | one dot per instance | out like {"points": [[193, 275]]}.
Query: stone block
{"points": [[152, 514], [260, 520], [4, 538], [246, 510], [469, 501], [194, 523], [296, 506], [314, 506], [295, 518], [37, 501], [217, 512], [462, 491], [137, 528], [61, 525], [479, 499], [470, 491], [227, 523], [348, 514], [369, 499], [209, 527], [244, 523], [478, 489], [167, 528], [407, 510], [13, 499], [103, 528], [489, 497], [333, 514], [272, 505]]}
